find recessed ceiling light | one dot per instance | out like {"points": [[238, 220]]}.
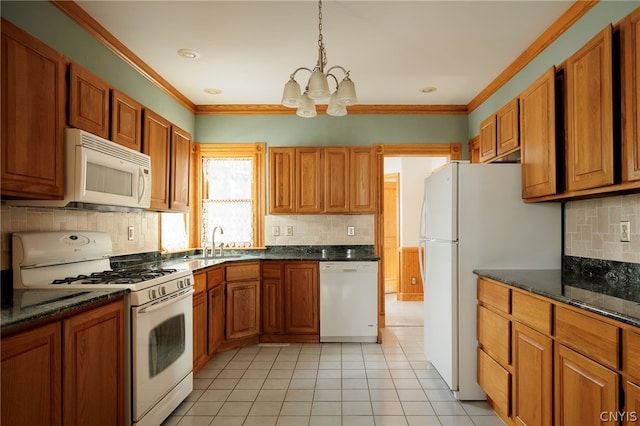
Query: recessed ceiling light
{"points": [[427, 89], [188, 53], [212, 91]]}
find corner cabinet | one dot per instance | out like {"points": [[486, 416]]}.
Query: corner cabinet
{"points": [[590, 144], [630, 69], [33, 117], [243, 300]]}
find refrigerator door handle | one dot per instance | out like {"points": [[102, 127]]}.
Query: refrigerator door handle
{"points": [[421, 225], [421, 253]]}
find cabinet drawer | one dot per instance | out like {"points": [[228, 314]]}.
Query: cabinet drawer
{"points": [[244, 271], [200, 282], [494, 294], [272, 270], [215, 277], [534, 312], [594, 338], [631, 349], [494, 334], [495, 381]]}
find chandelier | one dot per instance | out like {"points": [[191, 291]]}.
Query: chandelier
{"points": [[317, 87]]}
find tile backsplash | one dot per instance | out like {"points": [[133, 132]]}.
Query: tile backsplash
{"points": [[592, 228], [19, 219], [319, 230]]}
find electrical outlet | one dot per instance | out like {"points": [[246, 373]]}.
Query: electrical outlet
{"points": [[414, 281], [625, 231], [130, 234], [351, 230], [289, 230], [275, 231]]}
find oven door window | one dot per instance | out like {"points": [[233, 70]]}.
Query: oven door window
{"points": [[162, 336], [166, 344]]}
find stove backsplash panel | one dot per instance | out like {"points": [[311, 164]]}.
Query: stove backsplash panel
{"points": [[19, 219]]}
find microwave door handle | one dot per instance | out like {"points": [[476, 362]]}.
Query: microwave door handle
{"points": [[141, 184]]}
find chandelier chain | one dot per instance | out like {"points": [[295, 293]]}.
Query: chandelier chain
{"points": [[322, 56]]}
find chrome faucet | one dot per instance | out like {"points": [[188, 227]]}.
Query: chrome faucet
{"points": [[213, 240]]}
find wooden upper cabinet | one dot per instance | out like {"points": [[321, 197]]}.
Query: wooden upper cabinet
{"points": [[630, 68], [488, 149], [88, 101], [474, 149], [33, 116], [156, 142], [589, 118], [308, 178], [180, 169], [538, 137], [507, 134], [126, 121], [281, 180], [362, 192], [336, 180]]}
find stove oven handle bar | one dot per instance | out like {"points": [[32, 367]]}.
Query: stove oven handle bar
{"points": [[162, 303]]}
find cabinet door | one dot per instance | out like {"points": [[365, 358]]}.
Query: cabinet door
{"points": [[301, 295], [538, 137], [590, 129], [33, 116], [632, 404], [126, 121], [282, 182], [630, 67], [243, 309], [180, 169], [488, 149], [309, 183], [362, 180], [474, 149], [495, 380], [507, 135], [88, 101], [583, 389], [494, 335], [336, 180], [93, 368], [31, 377], [199, 330], [533, 377], [272, 298], [216, 318], [156, 142]]}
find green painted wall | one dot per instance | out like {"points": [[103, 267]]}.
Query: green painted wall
{"points": [[602, 14], [47, 23]]}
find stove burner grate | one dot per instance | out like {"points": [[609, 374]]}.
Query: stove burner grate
{"points": [[121, 276]]}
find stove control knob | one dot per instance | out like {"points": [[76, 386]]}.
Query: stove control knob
{"points": [[162, 291], [152, 293], [180, 284], [188, 280]]}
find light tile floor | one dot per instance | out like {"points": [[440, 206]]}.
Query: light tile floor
{"points": [[330, 384]]}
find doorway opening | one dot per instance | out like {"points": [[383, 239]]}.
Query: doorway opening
{"points": [[403, 170]]}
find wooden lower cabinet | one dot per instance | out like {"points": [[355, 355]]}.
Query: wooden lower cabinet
{"points": [[216, 314], [495, 380], [199, 330], [632, 404], [93, 366], [301, 298], [272, 294], [31, 377], [533, 377], [584, 389], [243, 309]]}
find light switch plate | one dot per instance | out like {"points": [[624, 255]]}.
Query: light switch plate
{"points": [[289, 230], [351, 230], [275, 231], [130, 233]]}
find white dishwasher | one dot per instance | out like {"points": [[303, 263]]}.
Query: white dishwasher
{"points": [[349, 301]]}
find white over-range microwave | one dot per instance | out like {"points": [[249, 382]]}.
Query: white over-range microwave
{"points": [[100, 174]]}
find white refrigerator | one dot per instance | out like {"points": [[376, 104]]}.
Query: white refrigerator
{"points": [[473, 217]]}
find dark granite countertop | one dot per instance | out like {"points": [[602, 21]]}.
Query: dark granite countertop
{"points": [[27, 307], [589, 293]]}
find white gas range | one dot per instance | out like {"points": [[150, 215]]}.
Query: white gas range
{"points": [[159, 318]]}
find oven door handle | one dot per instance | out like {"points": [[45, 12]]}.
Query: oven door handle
{"points": [[163, 303]]}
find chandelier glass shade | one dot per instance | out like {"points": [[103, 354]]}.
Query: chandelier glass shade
{"points": [[317, 88]]}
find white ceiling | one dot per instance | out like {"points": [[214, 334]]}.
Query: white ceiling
{"points": [[392, 48]]}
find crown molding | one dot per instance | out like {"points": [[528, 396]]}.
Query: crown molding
{"points": [[562, 24], [352, 109], [571, 15]]}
